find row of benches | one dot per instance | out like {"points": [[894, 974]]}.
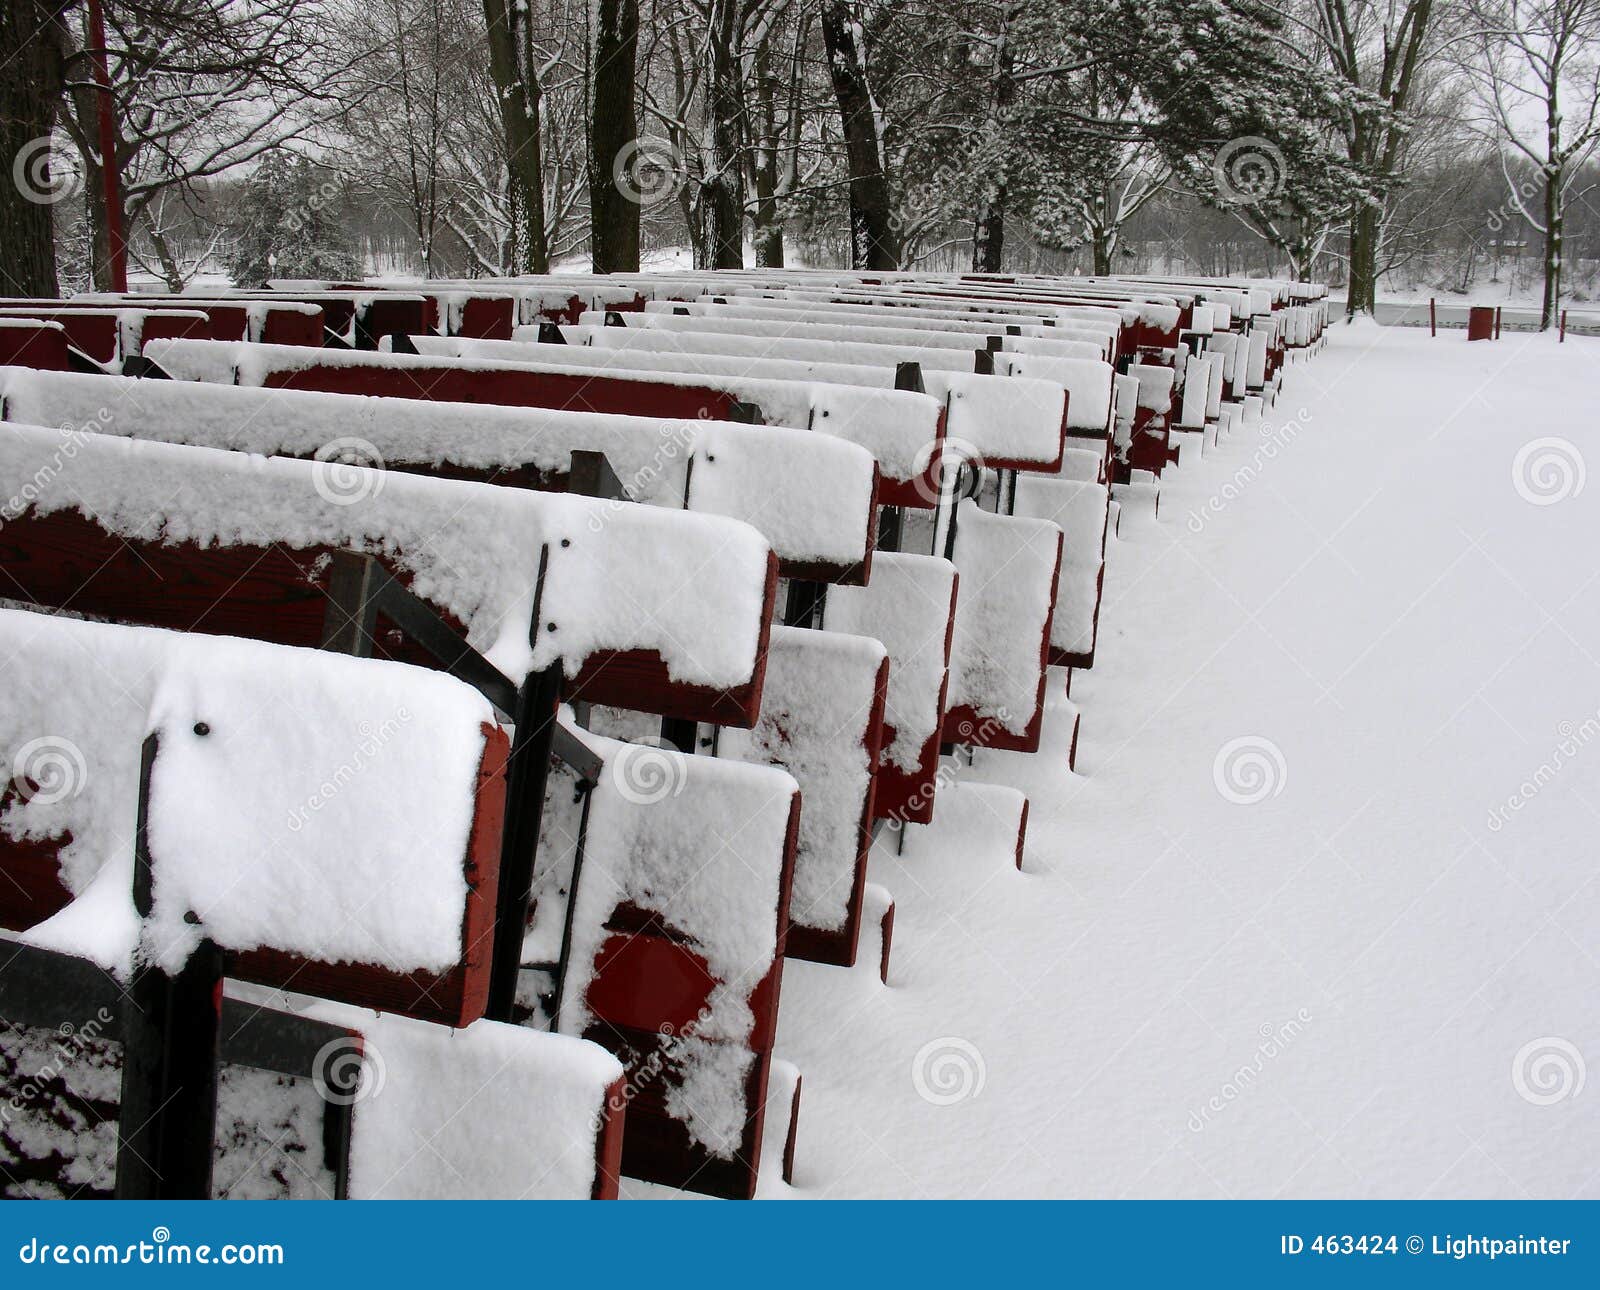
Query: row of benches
{"points": [[875, 514]]}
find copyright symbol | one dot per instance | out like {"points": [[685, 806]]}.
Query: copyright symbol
{"points": [[1414, 1245]]}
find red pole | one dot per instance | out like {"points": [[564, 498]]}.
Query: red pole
{"points": [[1497, 322], [116, 238], [1433, 317], [1563, 328]]}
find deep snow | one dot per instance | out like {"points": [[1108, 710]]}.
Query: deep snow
{"points": [[1335, 990]]}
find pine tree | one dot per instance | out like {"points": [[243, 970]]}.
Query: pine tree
{"points": [[289, 225]]}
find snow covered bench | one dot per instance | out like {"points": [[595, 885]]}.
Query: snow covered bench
{"points": [[901, 429], [273, 322], [483, 312], [822, 718], [527, 596], [880, 315], [1080, 508], [661, 908], [279, 763], [824, 532], [952, 351], [909, 606], [1013, 425], [1009, 567], [112, 336], [341, 844]]}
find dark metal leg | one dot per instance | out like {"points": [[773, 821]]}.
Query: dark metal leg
{"points": [[529, 769], [805, 603], [171, 1037]]}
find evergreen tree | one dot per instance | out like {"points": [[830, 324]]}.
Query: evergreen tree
{"points": [[289, 225]]}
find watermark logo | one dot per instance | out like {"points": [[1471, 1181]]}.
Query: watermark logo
{"points": [[49, 770], [1275, 1041], [645, 773], [1249, 769], [648, 171], [348, 471], [347, 1071], [1548, 1070], [44, 175], [948, 1071], [939, 466], [1547, 471], [1248, 170]]}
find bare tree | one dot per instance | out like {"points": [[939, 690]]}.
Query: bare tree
{"points": [[201, 88], [1536, 64]]}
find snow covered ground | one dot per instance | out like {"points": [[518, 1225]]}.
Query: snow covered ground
{"points": [[1284, 933]]}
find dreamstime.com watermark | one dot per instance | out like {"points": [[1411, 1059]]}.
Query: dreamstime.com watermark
{"points": [[71, 1040], [1275, 1041], [1249, 170], [1573, 740], [948, 1071], [160, 1250], [72, 438], [373, 741], [1274, 440]]}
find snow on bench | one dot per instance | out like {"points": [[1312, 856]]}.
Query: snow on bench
{"points": [[1152, 418], [820, 523], [489, 1112], [1104, 322], [661, 909], [822, 711], [950, 351], [1009, 567], [1014, 425], [1087, 381], [909, 606], [111, 336], [230, 317], [346, 843], [893, 319], [157, 531], [900, 428], [1080, 509]]}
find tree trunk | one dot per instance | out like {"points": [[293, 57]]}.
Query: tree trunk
{"points": [[719, 201], [766, 225], [989, 228], [1554, 218], [613, 135], [874, 236], [989, 233], [30, 84], [1363, 291], [1103, 243], [512, 64]]}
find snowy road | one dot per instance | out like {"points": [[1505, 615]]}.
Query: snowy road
{"points": [[1334, 990]]}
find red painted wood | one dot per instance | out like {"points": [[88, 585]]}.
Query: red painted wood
{"points": [[92, 332], [886, 935], [169, 324], [794, 1131], [513, 387], [608, 1143], [488, 318], [67, 561], [26, 343]]}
